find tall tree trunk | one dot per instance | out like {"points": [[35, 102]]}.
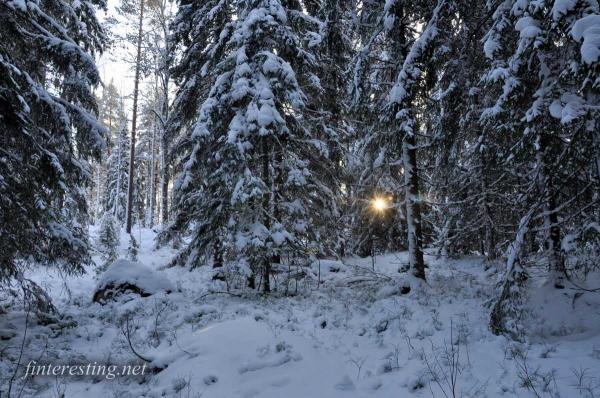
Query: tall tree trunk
{"points": [[507, 311], [552, 248], [596, 141], [118, 188], [98, 182], [152, 187], [277, 188], [413, 207], [266, 208], [489, 239], [164, 173], [138, 61]]}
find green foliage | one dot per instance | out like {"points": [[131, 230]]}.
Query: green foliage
{"points": [[132, 249], [108, 238], [47, 72]]}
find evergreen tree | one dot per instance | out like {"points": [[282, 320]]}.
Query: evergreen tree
{"points": [[49, 132], [460, 157], [147, 157], [333, 49], [252, 183], [545, 104], [110, 115], [161, 13], [117, 176], [376, 154], [108, 237], [394, 55], [134, 13], [132, 249]]}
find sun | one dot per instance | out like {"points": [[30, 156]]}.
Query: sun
{"points": [[379, 204]]}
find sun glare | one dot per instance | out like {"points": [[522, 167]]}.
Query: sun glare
{"points": [[379, 204]]}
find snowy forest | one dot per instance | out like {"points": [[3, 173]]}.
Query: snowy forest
{"points": [[300, 198]]}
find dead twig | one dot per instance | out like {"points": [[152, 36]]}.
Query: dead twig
{"points": [[126, 330], [211, 293]]}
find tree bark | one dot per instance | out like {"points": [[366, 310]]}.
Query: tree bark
{"points": [[217, 255], [551, 229], [165, 68], [489, 242], [98, 183], [164, 173], [277, 188], [138, 61], [117, 199], [266, 210], [413, 207], [152, 187]]}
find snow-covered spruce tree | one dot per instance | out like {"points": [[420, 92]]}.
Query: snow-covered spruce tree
{"points": [[133, 13], [152, 107], [541, 63], [253, 183], [151, 133], [463, 158], [110, 111], [583, 235], [507, 313], [48, 131], [160, 15], [132, 248], [403, 100], [117, 174], [146, 159], [95, 195], [389, 151], [333, 48], [108, 237], [193, 23], [375, 157]]}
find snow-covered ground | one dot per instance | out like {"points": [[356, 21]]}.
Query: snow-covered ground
{"points": [[352, 335]]}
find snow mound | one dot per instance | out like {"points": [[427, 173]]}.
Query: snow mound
{"points": [[7, 334], [588, 29], [128, 276], [557, 313]]}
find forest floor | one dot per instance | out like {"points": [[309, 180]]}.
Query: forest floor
{"points": [[353, 335]]}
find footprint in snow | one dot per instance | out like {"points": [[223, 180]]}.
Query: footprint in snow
{"points": [[345, 384], [210, 379], [280, 382]]}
